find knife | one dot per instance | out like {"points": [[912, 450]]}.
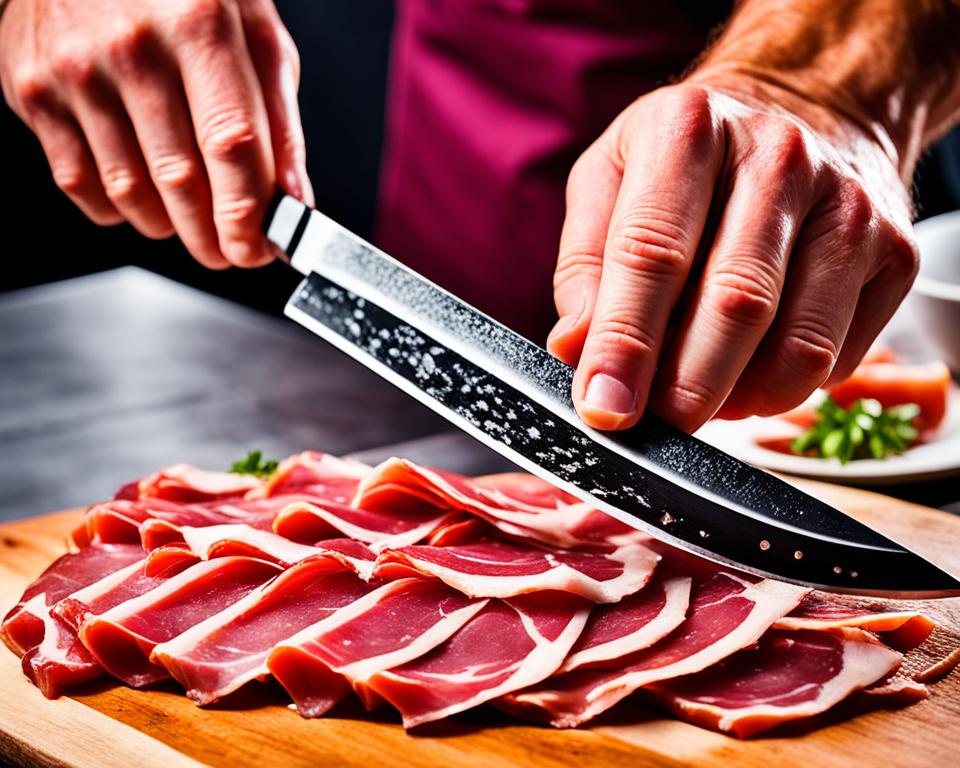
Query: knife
{"points": [[513, 396]]}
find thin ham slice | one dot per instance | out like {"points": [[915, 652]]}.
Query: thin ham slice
{"points": [[522, 506], [395, 623], [316, 474], [508, 645], [122, 638], [727, 612], [496, 568], [304, 521], [353, 554], [635, 623], [223, 540], [230, 648], [903, 629], [787, 675], [183, 482], [23, 626]]}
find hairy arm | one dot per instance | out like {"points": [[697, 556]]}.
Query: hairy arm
{"points": [[738, 239]]}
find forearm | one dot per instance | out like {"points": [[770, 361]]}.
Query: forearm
{"points": [[890, 66]]}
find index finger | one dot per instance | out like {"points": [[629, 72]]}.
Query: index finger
{"points": [[230, 122], [671, 164]]}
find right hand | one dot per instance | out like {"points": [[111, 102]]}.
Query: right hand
{"points": [[175, 115]]}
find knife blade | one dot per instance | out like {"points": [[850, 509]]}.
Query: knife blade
{"points": [[515, 397]]}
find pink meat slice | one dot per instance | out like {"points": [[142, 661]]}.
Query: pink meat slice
{"points": [[305, 521], [183, 482], [787, 675], [122, 638], [635, 623], [353, 554], [522, 506], [23, 626], [316, 474], [122, 585], [510, 644], [903, 629], [495, 568], [230, 648], [727, 612], [395, 623], [223, 540]]}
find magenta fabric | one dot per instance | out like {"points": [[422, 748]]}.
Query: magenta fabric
{"points": [[491, 102]]}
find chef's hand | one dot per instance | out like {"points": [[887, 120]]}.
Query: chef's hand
{"points": [[175, 115], [720, 253]]}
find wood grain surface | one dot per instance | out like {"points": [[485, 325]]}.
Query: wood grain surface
{"points": [[109, 725]]}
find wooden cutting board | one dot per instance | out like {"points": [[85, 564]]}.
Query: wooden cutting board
{"points": [[109, 725]]}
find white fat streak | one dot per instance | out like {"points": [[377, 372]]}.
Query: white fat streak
{"points": [[772, 600], [171, 586], [361, 671], [538, 665], [864, 662], [365, 535], [167, 654], [671, 616], [875, 622], [638, 565], [202, 540], [99, 588]]}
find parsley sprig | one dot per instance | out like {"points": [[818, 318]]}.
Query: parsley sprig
{"points": [[865, 430], [254, 464]]}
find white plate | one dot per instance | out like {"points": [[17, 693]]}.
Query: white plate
{"points": [[940, 458]]}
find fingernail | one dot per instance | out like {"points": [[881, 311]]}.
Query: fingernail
{"points": [[605, 393], [291, 183], [564, 324]]}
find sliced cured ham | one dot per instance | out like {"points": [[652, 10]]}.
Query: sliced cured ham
{"points": [[786, 676], [635, 623], [903, 629], [122, 638], [398, 622], [353, 554], [496, 568], [520, 505], [125, 584], [23, 626], [306, 522], [508, 645], [230, 648], [316, 474], [183, 482], [222, 540], [727, 612]]}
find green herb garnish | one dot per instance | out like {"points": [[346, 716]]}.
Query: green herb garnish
{"points": [[865, 430], [254, 464]]}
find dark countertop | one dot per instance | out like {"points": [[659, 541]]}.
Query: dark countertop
{"points": [[108, 377]]}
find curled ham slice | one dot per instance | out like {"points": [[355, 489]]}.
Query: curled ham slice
{"points": [[508, 645], [230, 648], [727, 612], [183, 482], [394, 624], [122, 638], [786, 676], [494, 568], [312, 473]]}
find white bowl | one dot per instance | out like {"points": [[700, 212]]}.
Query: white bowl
{"points": [[936, 293]]}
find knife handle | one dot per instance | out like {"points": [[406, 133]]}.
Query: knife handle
{"points": [[285, 223]]}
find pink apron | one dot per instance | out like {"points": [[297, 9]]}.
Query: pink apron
{"points": [[491, 102]]}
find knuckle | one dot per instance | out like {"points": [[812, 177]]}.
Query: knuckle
{"points": [[809, 351], [129, 44], [33, 89], [690, 395], [903, 254], [74, 66], [71, 179], [792, 152], [228, 135], [175, 172], [689, 115], [649, 242], [857, 208], [576, 259], [747, 295], [121, 184], [203, 21], [622, 337], [236, 210]]}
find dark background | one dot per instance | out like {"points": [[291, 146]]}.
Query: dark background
{"points": [[344, 47]]}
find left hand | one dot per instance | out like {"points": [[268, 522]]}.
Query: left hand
{"points": [[727, 249]]}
